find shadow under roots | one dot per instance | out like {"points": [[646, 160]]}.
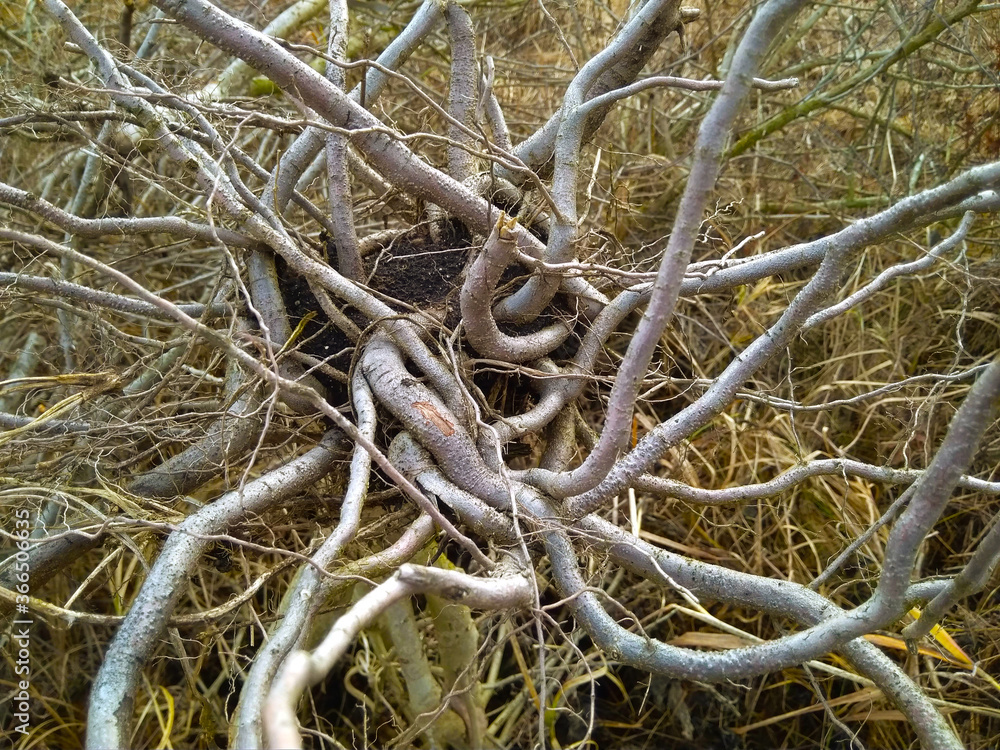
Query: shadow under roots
{"points": [[423, 268]]}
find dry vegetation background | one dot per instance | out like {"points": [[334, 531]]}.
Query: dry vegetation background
{"points": [[803, 162]]}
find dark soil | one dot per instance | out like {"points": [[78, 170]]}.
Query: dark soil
{"points": [[424, 268], [419, 270], [415, 268]]}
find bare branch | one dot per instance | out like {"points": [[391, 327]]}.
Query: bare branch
{"points": [[676, 256], [117, 681], [302, 668]]}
